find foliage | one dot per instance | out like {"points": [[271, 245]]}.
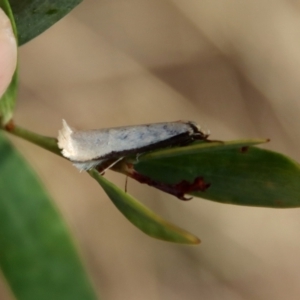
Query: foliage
{"points": [[37, 255]]}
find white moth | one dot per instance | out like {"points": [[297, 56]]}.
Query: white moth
{"points": [[89, 149]]}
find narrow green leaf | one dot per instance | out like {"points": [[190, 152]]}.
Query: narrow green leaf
{"points": [[37, 255], [8, 99], [35, 16], [198, 147], [5, 5], [141, 216], [239, 175]]}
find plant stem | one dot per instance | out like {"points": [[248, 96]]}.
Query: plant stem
{"points": [[48, 143]]}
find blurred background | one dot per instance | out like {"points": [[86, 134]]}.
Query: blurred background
{"points": [[231, 66]]}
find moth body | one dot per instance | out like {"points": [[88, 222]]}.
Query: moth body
{"points": [[90, 148]]}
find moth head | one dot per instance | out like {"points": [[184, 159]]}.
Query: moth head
{"points": [[197, 132]]}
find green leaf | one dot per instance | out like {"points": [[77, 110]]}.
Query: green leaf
{"points": [[5, 5], [35, 16], [231, 172], [37, 255], [141, 216], [200, 146], [8, 99]]}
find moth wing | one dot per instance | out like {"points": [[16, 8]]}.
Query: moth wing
{"points": [[82, 146], [85, 148], [138, 137]]}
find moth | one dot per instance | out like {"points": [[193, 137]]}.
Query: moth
{"points": [[88, 149]]}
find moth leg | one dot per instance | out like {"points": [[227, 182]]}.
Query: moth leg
{"points": [[126, 183], [103, 167]]}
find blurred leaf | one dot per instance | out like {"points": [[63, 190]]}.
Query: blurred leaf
{"points": [[37, 254], [231, 172], [5, 5], [35, 16], [141, 216], [8, 99]]}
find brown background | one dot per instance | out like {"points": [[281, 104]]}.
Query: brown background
{"points": [[232, 66]]}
